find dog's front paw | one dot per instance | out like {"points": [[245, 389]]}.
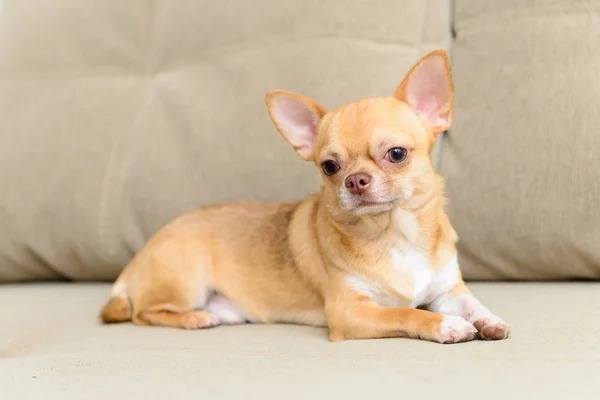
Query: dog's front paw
{"points": [[492, 328], [456, 330]]}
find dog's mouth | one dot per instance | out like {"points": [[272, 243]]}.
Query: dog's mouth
{"points": [[369, 203], [366, 206]]}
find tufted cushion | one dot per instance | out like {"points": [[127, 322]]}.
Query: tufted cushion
{"points": [[119, 115]]}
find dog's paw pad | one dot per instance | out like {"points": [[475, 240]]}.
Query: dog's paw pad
{"points": [[456, 330]]}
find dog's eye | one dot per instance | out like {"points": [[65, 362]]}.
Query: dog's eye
{"points": [[397, 154], [330, 167]]}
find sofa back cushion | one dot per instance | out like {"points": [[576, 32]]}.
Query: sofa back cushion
{"points": [[118, 115], [521, 157]]}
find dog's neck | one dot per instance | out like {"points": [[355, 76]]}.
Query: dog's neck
{"points": [[415, 222]]}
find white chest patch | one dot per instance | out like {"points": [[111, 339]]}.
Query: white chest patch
{"points": [[416, 280], [417, 266]]}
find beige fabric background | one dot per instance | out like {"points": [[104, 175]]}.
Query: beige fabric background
{"points": [[521, 159], [119, 115]]}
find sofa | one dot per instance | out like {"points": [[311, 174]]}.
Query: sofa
{"points": [[116, 116]]}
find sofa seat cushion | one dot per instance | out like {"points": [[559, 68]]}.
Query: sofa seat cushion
{"points": [[53, 347]]}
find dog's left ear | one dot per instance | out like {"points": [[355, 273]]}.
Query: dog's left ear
{"points": [[428, 89]]}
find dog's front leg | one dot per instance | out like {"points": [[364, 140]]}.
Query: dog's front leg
{"points": [[461, 302], [361, 318]]}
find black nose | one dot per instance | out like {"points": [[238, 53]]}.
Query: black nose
{"points": [[358, 183]]}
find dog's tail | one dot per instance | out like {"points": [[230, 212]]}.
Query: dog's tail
{"points": [[118, 307]]}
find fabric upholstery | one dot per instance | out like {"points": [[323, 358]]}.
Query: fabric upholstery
{"points": [[52, 347], [520, 160], [119, 115]]}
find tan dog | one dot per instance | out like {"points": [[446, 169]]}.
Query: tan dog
{"points": [[359, 257]]}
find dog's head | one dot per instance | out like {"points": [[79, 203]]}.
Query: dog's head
{"points": [[373, 153]]}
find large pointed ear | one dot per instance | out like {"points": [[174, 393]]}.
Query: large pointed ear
{"points": [[428, 89], [297, 119]]}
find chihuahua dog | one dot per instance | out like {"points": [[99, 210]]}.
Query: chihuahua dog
{"points": [[372, 255]]}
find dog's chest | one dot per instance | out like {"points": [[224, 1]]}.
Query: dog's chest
{"points": [[414, 268], [411, 280], [407, 276]]}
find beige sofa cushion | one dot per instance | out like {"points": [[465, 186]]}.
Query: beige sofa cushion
{"points": [[119, 115], [52, 347], [522, 155]]}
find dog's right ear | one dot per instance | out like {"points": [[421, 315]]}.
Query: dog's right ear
{"points": [[297, 119]]}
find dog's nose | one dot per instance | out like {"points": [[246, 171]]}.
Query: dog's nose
{"points": [[357, 183]]}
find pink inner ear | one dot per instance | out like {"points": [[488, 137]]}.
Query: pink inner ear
{"points": [[429, 93], [298, 122]]}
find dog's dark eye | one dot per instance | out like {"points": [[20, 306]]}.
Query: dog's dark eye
{"points": [[330, 167], [397, 154]]}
